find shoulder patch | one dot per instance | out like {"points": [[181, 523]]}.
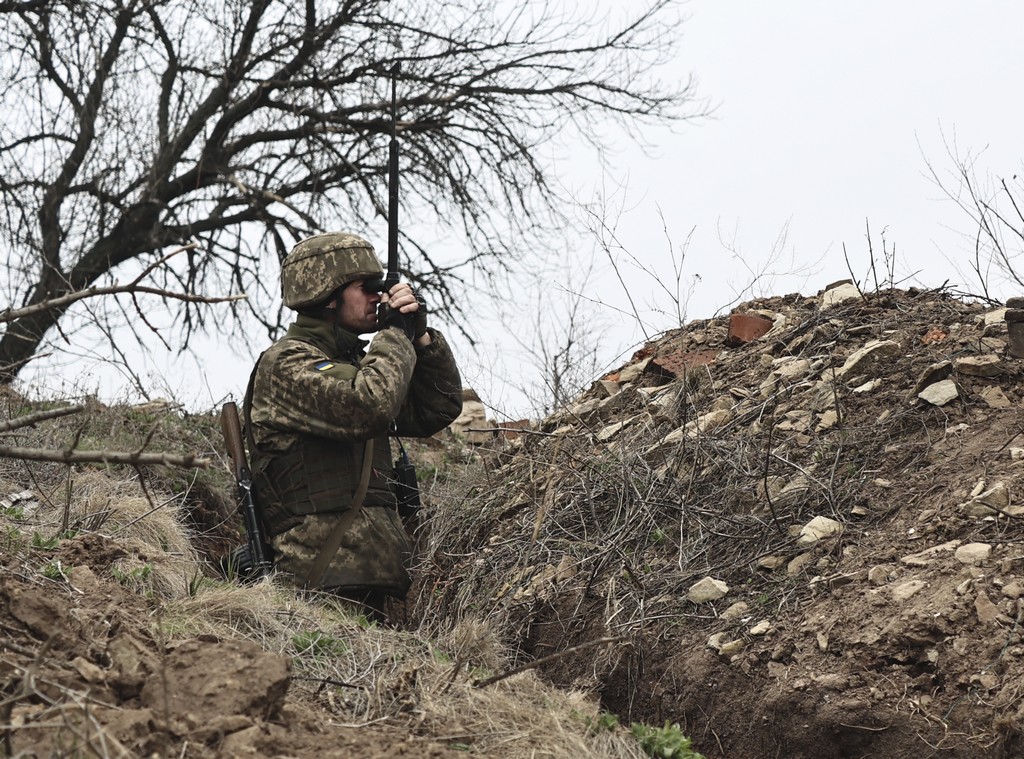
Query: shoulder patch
{"points": [[323, 366]]}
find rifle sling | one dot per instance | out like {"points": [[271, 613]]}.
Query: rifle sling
{"points": [[333, 542]]}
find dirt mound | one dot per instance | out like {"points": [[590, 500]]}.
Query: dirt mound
{"points": [[84, 675], [793, 532]]}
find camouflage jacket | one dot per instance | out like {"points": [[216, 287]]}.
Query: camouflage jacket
{"points": [[318, 395], [305, 385]]}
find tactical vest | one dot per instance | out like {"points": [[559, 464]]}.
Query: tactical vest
{"points": [[318, 476]]}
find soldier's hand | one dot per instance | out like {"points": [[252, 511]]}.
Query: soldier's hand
{"points": [[404, 311]]}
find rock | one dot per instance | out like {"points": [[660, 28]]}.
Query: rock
{"points": [[934, 373], [988, 612], [632, 372], [798, 563], [940, 393], [978, 366], [715, 641], [1013, 590], [731, 648], [868, 386], [708, 589], [865, 359], [973, 553], [770, 563], [827, 421], [737, 611], [841, 292], [878, 575], [994, 317], [906, 590], [928, 556], [818, 529], [610, 431], [761, 628], [994, 397]]}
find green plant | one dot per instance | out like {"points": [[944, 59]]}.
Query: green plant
{"points": [[46, 544], [133, 577], [605, 722], [54, 571], [666, 742], [317, 643]]}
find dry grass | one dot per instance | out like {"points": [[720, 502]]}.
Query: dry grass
{"points": [[350, 671]]}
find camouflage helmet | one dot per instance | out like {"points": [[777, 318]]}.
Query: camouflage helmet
{"points": [[319, 265]]}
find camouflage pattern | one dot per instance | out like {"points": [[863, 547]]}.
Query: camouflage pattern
{"points": [[373, 554], [320, 385], [319, 265]]}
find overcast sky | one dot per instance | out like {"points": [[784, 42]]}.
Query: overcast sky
{"points": [[825, 115]]}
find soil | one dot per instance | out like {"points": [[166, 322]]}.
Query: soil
{"points": [[79, 655], [897, 636]]}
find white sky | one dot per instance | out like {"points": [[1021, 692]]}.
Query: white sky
{"points": [[826, 114]]}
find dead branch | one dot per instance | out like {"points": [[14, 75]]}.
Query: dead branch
{"points": [[134, 458], [546, 659], [134, 287], [38, 416]]}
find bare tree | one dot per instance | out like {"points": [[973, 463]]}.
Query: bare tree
{"points": [[135, 126], [995, 207]]}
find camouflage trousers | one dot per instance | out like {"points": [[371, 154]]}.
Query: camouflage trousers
{"points": [[373, 555]]}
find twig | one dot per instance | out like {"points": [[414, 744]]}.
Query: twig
{"points": [[71, 456], [38, 416], [546, 659]]}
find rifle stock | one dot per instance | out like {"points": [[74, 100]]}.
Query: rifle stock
{"points": [[231, 428]]}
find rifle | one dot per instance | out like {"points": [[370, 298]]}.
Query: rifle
{"points": [[231, 428]]}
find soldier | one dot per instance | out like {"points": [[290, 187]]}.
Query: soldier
{"points": [[320, 406]]}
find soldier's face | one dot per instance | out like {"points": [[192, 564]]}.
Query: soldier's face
{"points": [[357, 311]]}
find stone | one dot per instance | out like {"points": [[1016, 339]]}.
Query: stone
{"points": [[973, 553], [731, 648], [610, 431], [839, 293], [818, 529], [936, 372], [737, 611], [798, 564], [633, 372], [906, 590], [708, 589], [1013, 590], [770, 562], [827, 421], [940, 393], [988, 612], [978, 366], [865, 359], [761, 628], [994, 317], [878, 575], [929, 555], [994, 397]]}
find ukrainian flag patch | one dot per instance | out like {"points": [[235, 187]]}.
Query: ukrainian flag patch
{"points": [[323, 366]]}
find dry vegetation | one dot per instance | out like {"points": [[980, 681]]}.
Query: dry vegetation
{"points": [[552, 606], [96, 554]]}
